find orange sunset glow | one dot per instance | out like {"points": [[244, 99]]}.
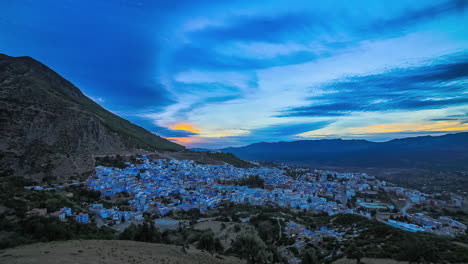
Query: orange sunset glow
{"points": [[181, 140], [186, 127]]}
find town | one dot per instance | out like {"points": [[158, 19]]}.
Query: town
{"points": [[161, 186]]}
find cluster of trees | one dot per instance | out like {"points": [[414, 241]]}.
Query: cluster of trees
{"points": [[23, 201], [252, 181], [295, 173], [310, 256], [268, 229], [44, 229], [353, 252], [251, 247], [407, 246], [145, 232], [256, 246], [209, 242], [83, 194], [382, 241]]}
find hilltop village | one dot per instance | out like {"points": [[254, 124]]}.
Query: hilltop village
{"points": [[290, 208], [161, 186]]}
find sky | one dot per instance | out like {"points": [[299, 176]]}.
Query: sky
{"points": [[213, 74]]}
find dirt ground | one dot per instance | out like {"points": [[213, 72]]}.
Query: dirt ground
{"points": [[110, 251]]}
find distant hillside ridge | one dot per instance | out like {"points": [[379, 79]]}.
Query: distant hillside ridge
{"points": [[48, 127], [430, 152]]}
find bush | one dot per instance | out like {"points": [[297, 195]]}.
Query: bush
{"points": [[309, 257], [207, 241], [251, 247], [252, 181], [145, 232], [44, 229]]}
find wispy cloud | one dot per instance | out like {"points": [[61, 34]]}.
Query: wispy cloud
{"points": [[425, 87]]}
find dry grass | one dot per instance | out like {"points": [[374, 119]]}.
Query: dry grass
{"points": [[111, 251], [227, 234]]}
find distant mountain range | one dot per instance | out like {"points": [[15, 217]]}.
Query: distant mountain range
{"points": [[428, 152], [48, 127]]}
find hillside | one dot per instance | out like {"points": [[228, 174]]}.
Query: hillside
{"points": [[428, 152], [50, 128], [105, 251]]}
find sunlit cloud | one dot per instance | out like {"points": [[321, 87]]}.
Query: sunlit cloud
{"points": [[388, 130], [436, 126], [186, 127], [221, 133]]}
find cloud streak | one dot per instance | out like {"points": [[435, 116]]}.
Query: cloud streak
{"points": [[426, 87]]}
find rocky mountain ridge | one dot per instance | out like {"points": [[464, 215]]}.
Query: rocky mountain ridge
{"points": [[50, 129]]}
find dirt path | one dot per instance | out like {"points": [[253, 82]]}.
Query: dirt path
{"points": [[460, 244], [406, 207]]}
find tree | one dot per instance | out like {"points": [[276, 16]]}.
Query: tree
{"points": [[128, 233], [309, 257], [251, 247], [209, 242], [252, 181], [145, 232], [267, 231], [353, 252], [419, 251]]}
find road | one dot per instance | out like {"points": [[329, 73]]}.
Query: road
{"points": [[406, 207]]}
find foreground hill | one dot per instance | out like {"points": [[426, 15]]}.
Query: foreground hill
{"points": [[49, 127], [107, 251], [428, 152]]}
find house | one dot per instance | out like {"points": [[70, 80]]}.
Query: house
{"points": [[405, 226], [82, 218], [67, 211], [60, 214], [416, 198], [457, 200], [103, 213]]}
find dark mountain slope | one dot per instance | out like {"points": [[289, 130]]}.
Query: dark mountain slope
{"points": [[48, 127], [442, 152]]}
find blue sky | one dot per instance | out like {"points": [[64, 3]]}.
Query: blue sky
{"points": [[229, 73]]}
